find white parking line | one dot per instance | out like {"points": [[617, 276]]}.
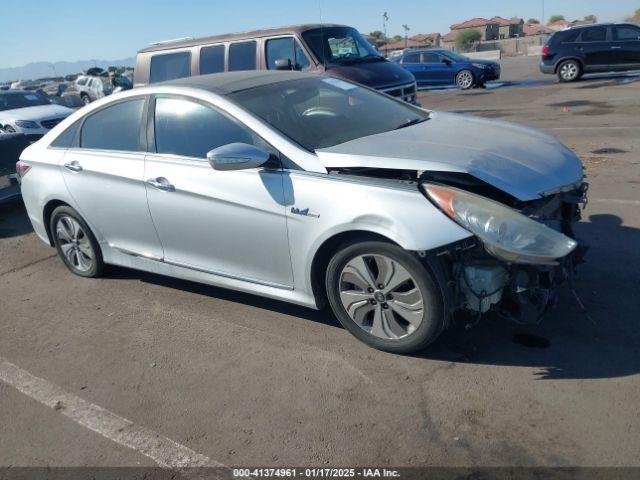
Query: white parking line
{"points": [[615, 200], [162, 450], [603, 127]]}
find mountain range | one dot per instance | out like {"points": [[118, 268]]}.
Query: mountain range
{"points": [[35, 70]]}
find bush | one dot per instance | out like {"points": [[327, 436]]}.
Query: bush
{"points": [[467, 37]]}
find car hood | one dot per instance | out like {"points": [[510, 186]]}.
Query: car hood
{"points": [[375, 74], [518, 160], [40, 112]]}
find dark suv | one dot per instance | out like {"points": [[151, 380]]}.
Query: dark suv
{"points": [[593, 48]]}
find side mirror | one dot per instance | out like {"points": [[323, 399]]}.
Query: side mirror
{"points": [[447, 61], [284, 64], [237, 156]]}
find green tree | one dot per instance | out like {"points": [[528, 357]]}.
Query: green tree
{"points": [[467, 37], [533, 20], [590, 18], [635, 18], [555, 18], [377, 34], [397, 38]]}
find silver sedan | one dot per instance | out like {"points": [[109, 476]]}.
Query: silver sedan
{"points": [[313, 190]]}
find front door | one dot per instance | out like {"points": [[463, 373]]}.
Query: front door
{"points": [[625, 46], [229, 223], [105, 178]]}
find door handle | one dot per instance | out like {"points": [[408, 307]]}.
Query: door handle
{"points": [[161, 183], [73, 166], [615, 47]]}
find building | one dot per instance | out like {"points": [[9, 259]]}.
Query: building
{"points": [[533, 29], [422, 40], [562, 24], [495, 28], [430, 39]]}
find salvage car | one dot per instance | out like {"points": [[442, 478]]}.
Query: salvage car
{"points": [[30, 113], [311, 189]]}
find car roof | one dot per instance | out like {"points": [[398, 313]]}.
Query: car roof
{"points": [[230, 82], [190, 42]]}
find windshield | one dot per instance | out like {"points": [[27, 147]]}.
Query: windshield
{"points": [[335, 45], [11, 100], [455, 57], [322, 112]]}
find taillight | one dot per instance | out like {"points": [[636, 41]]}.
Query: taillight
{"points": [[22, 168], [545, 50]]}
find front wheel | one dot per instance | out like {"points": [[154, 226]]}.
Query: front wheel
{"points": [[465, 79], [385, 296], [76, 245], [569, 71]]}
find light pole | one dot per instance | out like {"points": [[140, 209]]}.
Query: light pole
{"points": [[406, 35], [385, 19], [542, 19]]}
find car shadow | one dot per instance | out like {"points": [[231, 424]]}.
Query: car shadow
{"points": [[14, 220]]}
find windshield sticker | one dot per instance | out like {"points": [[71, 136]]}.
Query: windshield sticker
{"points": [[339, 83]]}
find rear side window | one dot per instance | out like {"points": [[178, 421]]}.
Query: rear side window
{"points": [[626, 33], [594, 35], [568, 36], [82, 81], [66, 138], [212, 59], [285, 49], [430, 58], [170, 66], [242, 56], [190, 129], [114, 128], [411, 58]]}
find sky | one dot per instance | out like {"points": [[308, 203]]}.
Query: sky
{"points": [[70, 30]]}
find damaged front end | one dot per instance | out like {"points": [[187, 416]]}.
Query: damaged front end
{"points": [[521, 253]]}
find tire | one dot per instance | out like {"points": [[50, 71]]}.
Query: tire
{"points": [[9, 129], [75, 243], [85, 98], [569, 71], [376, 315], [465, 79]]}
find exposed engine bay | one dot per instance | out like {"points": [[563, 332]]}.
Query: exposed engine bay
{"points": [[479, 281]]}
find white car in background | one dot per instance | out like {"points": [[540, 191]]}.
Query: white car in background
{"points": [[29, 112], [91, 89]]}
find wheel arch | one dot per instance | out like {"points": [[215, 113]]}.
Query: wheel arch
{"points": [[325, 252], [49, 207], [564, 59]]}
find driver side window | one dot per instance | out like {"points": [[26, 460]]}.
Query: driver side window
{"points": [[190, 129]]}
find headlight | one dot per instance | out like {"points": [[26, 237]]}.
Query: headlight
{"points": [[506, 233], [27, 124], [479, 65]]}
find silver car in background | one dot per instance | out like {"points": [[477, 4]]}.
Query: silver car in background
{"points": [[310, 189]]}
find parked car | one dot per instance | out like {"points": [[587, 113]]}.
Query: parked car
{"points": [[444, 67], [594, 48], [337, 50], [91, 89], [11, 146], [308, 188], [29, 113]]}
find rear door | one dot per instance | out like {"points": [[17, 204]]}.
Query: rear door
{"points": [[229, 223], [104, 175], [595, 48], [625, 46], [412, 62]]}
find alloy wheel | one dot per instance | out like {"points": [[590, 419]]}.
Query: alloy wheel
{"points": [[74, 243], [569, 71], [381, 296], [465, 79]]}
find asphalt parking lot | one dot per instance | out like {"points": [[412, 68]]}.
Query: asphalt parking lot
{"points": [[241, 380]]}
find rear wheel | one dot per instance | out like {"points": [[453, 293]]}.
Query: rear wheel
{"points": [[76, 245], [85, 98], [465, 79], [385, 296], [569, 71]]}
